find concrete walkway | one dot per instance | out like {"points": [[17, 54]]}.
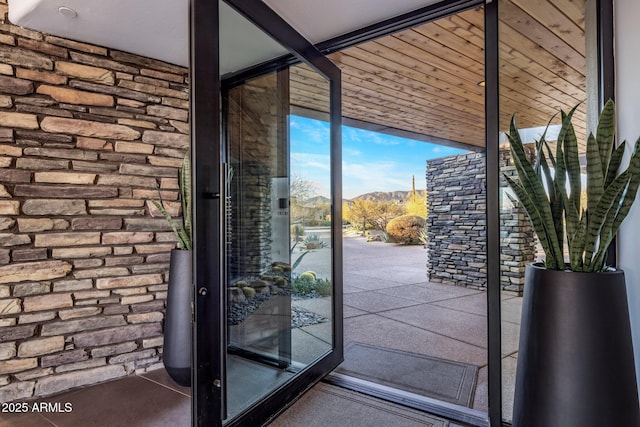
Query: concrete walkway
{"points": [[389, 302]]}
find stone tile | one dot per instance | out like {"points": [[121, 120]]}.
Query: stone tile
{"points": [[305, 347], [508, 386], [398, 274], [160, 376], [349, 311], [322, 306], [28, 419], [367, 282], [474, 304], [510, 338], [384, 332], [423, 292], [481, 396], [465, 327], [322, 331], [156, 406], [350, 289], [375, 302], [511, 310], [326, 405]]}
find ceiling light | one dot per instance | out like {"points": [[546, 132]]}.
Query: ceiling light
{"points": [[67, 11], [482, 83]]}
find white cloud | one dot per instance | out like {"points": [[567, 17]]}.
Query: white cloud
{"points": [[360, 178]]}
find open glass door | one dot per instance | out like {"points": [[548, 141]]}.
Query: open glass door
{"points": [[267, 255]]}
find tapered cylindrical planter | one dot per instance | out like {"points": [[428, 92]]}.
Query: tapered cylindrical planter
{"points": [[177, 324], [575, 361]]}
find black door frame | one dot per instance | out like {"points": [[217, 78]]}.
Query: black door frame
{"points": [[209, 351], [205, 122]]}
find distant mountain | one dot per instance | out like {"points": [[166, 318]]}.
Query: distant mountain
{"points": [[317, 200], [376, 196]]}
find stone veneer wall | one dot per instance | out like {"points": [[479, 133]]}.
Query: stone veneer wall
{"points": [[86, 135], [456, 225], [517, 237], [257, 152], [456, 220]]}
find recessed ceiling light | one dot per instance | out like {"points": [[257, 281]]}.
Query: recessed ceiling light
{"points": [[67, 11], [482, 83]]}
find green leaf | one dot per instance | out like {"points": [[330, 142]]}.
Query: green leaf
{"points": [[184, 176], [605, 134], [595, 178], [576, 248], [532, 185], [598, 216], [171, 222], [182, 231], [536, 221], [540, 143], [632, 189], [614, 165], [572, 164]]}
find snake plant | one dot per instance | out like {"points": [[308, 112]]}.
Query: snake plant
{"points": [[549, 187], [182, 231]]}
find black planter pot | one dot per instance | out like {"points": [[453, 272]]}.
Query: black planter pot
{"points": [[575, 362], [176, 354]]}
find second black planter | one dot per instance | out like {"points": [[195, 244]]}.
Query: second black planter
{"points": [[575, 361], [176, 354]]}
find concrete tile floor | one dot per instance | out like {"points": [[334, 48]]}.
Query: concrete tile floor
{"points": [[435, 319], [392, 306]]}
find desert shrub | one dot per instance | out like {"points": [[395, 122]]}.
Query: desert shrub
{"points": [[249, 292], [241, 284], [323, 287], [282, 282], [297, 231], [406, 229], [308, 276], [312, 241], [302, 285]]}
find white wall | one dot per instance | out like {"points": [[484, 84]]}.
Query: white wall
{"points": [[627, 57]]}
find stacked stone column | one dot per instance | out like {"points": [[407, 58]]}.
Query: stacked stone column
{"points": [[456, 225]]}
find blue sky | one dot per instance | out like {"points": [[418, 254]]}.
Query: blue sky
{"points": [[371, 161]]}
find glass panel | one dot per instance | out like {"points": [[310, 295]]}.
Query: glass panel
{"points": [[543, 69], [278, 233]]}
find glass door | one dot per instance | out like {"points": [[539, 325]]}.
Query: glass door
{"points": [[269, 319]]}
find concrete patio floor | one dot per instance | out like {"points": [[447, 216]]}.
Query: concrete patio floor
{"points": [[388, 302]]}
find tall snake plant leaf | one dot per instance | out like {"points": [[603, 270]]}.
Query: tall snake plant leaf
{"points": [[540, 144], [182, 230], [616, 160], [632, 189], [576, 248], [185, 194], [610, 192], [171, 222], [605, 134], [572, 165], [597, 218], [536, 220], [530, 181], [595, 177]]}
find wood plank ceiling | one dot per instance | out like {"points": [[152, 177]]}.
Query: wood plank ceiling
{"points": [[426, 79]]}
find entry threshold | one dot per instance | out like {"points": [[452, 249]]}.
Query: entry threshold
{"points": [[458, 413]]}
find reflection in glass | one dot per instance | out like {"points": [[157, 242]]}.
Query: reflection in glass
{"points": [[278, 232], [542, 70]]}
